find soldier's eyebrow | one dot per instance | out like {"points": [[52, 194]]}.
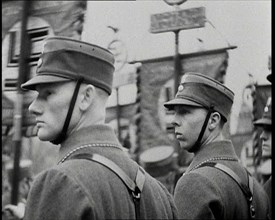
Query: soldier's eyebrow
{"points": [[42, 86], [182, 109]]}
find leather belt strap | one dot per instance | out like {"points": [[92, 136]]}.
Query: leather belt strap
{"points": [[247, 190], [61, 137], [134, 186], [198, 142]]}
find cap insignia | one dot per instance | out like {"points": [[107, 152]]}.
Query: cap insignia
{"points": [[180, 88]]}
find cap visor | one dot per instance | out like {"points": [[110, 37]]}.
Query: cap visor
{"points": [[42, 79], [178, 101], [262, 122]]}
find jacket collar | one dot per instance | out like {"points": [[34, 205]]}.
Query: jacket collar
{"points": [[218, 149], [95, 134]]}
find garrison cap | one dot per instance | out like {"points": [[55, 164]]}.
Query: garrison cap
{"points": [[65, 59], [200, 90], [267, 117]]}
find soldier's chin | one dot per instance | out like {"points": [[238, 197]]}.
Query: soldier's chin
{"points": [[186, 147], [44, 137]]}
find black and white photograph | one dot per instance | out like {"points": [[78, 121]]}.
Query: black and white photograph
{"points": [[136, 109]]}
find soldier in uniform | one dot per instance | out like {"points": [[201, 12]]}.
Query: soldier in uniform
{"points": [[266, 136], [94, 178], [215, 185]]}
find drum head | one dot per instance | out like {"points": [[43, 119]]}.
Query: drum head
{"points": [[157, 161]]}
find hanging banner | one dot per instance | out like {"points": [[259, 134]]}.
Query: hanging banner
{"points": [[211, 64], [65, 17], [47, 18]]}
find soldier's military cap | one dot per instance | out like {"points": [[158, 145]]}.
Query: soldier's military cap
{"points": [[64, 59], [200, 90], [267, 116]]}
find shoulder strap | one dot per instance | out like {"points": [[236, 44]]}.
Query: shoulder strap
{"points": [[247, 190], [134, 186]]}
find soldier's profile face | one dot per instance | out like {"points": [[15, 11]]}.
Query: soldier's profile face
{"points": [[188, 121], [50, 108], [266, 137]]}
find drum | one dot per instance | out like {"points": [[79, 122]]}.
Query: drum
{"points": [[158, 161]]}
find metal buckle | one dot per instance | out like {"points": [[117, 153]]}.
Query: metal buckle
{"points": [[252, 211], [136, 194]]}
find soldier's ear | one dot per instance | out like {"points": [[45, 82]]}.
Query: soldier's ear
{"points": [[87, 96], [214, 120]]}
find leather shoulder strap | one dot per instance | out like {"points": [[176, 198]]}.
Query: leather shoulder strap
{"points": [[246, 189], [135, 187]]}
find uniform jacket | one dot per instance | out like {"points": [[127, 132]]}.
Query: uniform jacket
{"points": [[268, 189], [83, 189], [209, 193]]}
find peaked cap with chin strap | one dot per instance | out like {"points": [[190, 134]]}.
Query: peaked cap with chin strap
{"points": [[65, 59], [201, 91]]}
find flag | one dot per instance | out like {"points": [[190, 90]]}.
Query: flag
{"points": [[46, 18], [210, 63], [65, 17]]}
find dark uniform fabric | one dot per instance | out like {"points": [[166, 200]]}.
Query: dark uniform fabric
{"points": [[268, 189], [209, 193], [82, 189], [266, 123]]}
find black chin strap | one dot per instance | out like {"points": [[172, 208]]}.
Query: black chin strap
{"points": [[198, 142], [61, 137]]}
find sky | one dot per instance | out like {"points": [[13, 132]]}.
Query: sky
{"points": [[245, 24]]}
